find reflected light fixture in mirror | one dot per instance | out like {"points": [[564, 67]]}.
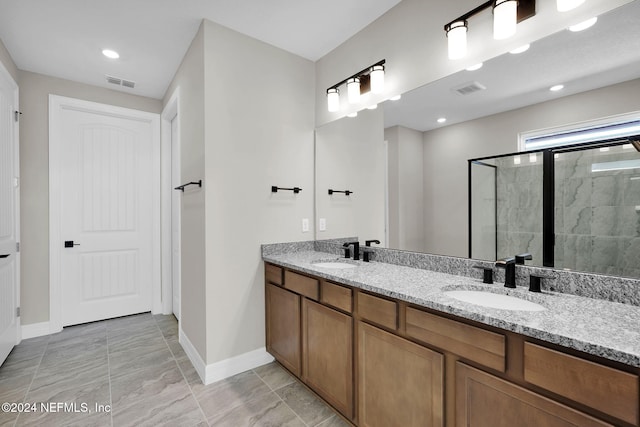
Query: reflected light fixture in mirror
{"points": [[505, 18], [584, 25], [333, 100], [457, 39], [566, 5]]}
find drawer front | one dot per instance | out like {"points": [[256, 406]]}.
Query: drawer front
{"points": [[303, 285], [337, 296], [273, 274], [378, 310], [605, 389], [483, 347]]}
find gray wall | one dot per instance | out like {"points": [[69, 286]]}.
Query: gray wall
{"points": [[190, 80], [447, 150], [34, 183]]}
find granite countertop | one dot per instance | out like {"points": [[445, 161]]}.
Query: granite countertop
{"points": [[602, 328]]}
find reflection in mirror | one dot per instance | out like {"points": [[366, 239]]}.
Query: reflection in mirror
{"points": [[509, 95], [352, 154]]}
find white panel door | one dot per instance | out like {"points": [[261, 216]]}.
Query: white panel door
{"points": [[107, 181], [9, 217]]}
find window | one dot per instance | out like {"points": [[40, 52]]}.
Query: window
{"points": [[596, 130]]}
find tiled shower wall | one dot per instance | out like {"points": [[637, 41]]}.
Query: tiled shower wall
{"points": [[597, 214]]}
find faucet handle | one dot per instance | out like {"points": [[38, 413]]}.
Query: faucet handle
{"points": [[520, 259], [369, 242], [505, 261], [487, 275], [347, 250]]}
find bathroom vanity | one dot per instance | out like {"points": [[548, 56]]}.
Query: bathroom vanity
{"points": [[386, 345]]}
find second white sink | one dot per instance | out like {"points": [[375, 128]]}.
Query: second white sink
{"points": [[489, 299]]}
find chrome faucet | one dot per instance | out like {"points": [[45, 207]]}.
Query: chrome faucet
{"points": [[509, 265]]}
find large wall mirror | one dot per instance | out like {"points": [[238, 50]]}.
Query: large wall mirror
{"points": [[411, 170]]}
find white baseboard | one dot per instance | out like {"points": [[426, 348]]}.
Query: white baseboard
{"points": [[224, 368], [34, 330]]}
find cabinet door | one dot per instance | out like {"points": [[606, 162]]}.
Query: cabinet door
{"points": [[485, 400], [399, 383], [283, 326], [327, 354]]}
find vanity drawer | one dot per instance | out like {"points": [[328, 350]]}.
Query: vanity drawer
{"points": [[475, 344], [337, 296], [303, 285], [378, 310], [605, 389], [273, 273]]}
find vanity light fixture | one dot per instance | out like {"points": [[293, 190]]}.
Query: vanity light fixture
{"points": [[475, 67], [566, 5], [506, 15], [111, 54], [371, 79], [516, 160], [533, 158], [505, 18], [353, 90], [584, 25], [521, 49]]}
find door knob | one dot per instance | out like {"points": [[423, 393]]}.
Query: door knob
{"points": [[70, 244]]}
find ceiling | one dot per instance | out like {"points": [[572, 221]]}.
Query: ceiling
{"points": [[602, 55], [64, 38]]}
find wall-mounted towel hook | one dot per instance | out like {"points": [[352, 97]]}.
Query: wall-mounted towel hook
{"points": [[346, 192], [296, 190], [181, 187]]}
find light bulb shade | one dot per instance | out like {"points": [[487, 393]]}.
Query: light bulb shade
{"points": [[505, 18], [377, 79], [353, 90], [566, 5], [333, 100], [457, 39]]}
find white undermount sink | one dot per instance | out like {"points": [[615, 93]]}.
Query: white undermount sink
{"points": [[334, 265], [489, 299]]}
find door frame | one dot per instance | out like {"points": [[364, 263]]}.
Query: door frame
{"points": [[170, 111], [16, 168], [57, 104]]}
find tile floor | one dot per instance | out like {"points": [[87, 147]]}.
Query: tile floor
{"points": [[136, 365]]}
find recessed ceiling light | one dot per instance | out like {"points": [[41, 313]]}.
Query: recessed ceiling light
{"points": [[556, 88], [584, 25], [520, 49], [442, 120], [475, 67], [395, 98], [372, 107], [112, 54], [355, 114]]}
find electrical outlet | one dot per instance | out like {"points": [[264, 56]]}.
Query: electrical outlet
{"points": [[322, 225], [305, 225]]}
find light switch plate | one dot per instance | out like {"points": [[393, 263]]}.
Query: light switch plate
{"points": [[322, 224], [305, 225]]}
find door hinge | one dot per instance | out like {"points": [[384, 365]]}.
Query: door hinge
{"points": [[17, 115], [17, 311], [17, 246]]}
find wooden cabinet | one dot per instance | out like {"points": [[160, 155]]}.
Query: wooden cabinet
{"points": [[327, 354], [399, 383], [485, 400], [283, 326]]}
